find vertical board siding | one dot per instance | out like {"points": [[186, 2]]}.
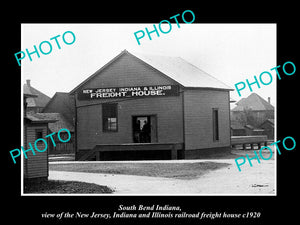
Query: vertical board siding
{"points": [[198, 115], [36, 165], [61, 147]]}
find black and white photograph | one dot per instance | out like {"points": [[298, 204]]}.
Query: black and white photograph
{"points": [[162, 117], [172, 115]]}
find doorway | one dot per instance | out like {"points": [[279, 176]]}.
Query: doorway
{"points": [[144, 129]]}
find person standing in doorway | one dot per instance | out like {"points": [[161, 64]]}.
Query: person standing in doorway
{"points": [[137, 131], [146, 132]]}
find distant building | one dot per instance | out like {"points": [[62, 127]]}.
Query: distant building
{"points": [[37, 103], [253, 110], [62, 103], [253, 116], [61, 107], [268, 127], [237, 129], [251, 130]]}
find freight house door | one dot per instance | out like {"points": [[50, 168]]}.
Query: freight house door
{"points": [[144, 129]]}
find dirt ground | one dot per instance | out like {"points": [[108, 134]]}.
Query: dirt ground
{"points": [[259, 179], [182, 170]]}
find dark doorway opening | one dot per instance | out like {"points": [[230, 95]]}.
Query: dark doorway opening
{"points": [[144, 129]]}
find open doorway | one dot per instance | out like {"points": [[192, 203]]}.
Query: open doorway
{"points": [[144, 129]]}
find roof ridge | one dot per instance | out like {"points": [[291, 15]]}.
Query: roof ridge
{"points": [[61, 92], [253, 101], [203, 71], [174, 68], [265, 104]]}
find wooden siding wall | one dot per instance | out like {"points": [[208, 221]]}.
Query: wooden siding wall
{"points": [[36, 165], [169, 121], [62, 147], [198, 106], [128, 71]]}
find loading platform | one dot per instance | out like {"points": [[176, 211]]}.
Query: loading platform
{"points": [[249, 140], [95, 152]]}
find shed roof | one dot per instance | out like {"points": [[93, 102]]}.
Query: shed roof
{"points": [[58, 121], [39, 118], [176, 68], [269, 121], [253, 102]]}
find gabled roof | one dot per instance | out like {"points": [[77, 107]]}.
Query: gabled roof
{"points": [[175, 68], [39, 101], [253, 102]]}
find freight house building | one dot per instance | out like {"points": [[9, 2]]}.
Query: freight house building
{"points": [[150, 107]]}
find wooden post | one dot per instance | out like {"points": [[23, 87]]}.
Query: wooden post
{"points": [[244, 146], [259, 145], [75, 128], [97, 155], [173, 152]]}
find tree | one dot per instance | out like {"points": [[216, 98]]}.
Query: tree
{"points": [[247, 117]]}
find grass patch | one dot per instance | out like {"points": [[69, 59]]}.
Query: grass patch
{"points": [[61, 187], [61, 157], [184, 171]]}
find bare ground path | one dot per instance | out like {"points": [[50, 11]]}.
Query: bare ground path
{"points": [[259, 179]]}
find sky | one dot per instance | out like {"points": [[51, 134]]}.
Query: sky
{"points": [[230, 52]]}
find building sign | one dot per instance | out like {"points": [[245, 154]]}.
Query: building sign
{"points": [[128, 92]]}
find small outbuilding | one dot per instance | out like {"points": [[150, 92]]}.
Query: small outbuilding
{"points": [[268, 127], [35, 127], [237, 129], [150, 107]]}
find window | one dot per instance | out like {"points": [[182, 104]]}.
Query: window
{"points": [[38, 134], [215, 125], [110, 117]]}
